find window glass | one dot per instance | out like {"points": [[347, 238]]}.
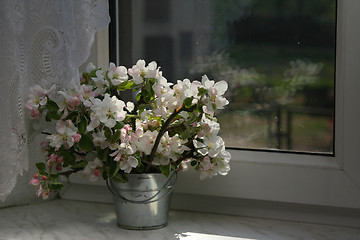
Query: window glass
{"points": [[278, 57]]}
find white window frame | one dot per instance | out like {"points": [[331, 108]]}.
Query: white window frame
{"points": [[298, 178]]}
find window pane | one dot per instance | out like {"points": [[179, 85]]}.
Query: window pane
{"points": [[278, 57]]}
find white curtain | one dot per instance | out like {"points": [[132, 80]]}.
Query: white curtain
{"points": [[41, 41]]}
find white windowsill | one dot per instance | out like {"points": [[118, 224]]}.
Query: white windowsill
{"points": [[63, 219]]}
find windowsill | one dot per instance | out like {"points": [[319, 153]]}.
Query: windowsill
{"points": [[64, 219]]}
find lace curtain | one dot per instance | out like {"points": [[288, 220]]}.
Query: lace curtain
{"points": [[42, 41]]}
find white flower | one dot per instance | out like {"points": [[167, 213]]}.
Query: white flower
{"points": [[99, 139], [100, 82], [169, 148], [137, 70], [40, 192], [70, 100], [126, 147], [146, 141], [211, 146], [207, 169], [86, 95], [90, 67], [210, 167], [107, 111], [64, 136], [216, 90], [94, 123], [151, 70], [162, 87], [180, 92], [92, 171], [130, 106], [222, 161], [128, 164], [209, 128], [37, 96], [117, 75]]}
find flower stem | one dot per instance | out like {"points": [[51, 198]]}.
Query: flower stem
{"points": [[163, 129]]}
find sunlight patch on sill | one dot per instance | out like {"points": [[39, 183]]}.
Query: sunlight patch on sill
{"points": [[203, 236]]}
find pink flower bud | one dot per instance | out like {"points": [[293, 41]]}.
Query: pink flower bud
{"points": [[73, 102], [49, 163], [40, 191], [154, 124], [44, 178], [77, 137], [127, 127], [53, 157], [34, 182], [35, 114], [68, 123], [36, 175], [43, 145], [201, 134], [97, 172], [46, 194], [60, 160]]}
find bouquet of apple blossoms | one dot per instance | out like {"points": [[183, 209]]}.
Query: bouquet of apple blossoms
{"points": [[167, 128]]}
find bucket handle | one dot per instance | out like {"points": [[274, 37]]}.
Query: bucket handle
{"points": [[151, 199]]}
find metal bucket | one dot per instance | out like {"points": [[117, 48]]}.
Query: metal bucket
{"points": [[143, 202]]}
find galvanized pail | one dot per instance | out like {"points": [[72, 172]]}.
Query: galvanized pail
{"points": [[143, 202]]}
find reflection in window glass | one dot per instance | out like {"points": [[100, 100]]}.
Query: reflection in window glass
{"points": [[277, 56]]}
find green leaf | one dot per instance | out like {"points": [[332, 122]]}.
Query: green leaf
{"points": [[105, 174], [100, 152], [52, 115], [138, 96], [120, 178], [142, 107], [86, 143], [41, 167], [203, 91], [93, 72], [126, 85], [197, 168], [188, 102], [193, 163], [52, 106], [185, 134], [214, 106], [165, 170], [86, 76], [54, 175], [140, 168], [72, 116], [69, 158], [82, 124], [114, 168], [119, 125], [115, 137], [79, 165], [56, 186], [107, 133]]}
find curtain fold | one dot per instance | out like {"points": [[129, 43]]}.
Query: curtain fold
{"points": [[42, 42]]}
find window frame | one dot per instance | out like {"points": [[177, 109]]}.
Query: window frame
{"points": [[300, 178]]}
